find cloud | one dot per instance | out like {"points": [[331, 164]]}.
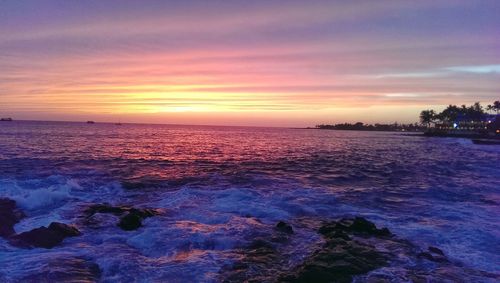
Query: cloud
{"points": [[195, 56], [476, 69]]}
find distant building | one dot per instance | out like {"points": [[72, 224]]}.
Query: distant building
{"points": [[493, 123]]}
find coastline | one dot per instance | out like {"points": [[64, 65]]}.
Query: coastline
{"points": [[476, 138]]}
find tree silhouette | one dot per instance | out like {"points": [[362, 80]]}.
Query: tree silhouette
{"points": [[427, 117], [489, 108], [496, 106]]}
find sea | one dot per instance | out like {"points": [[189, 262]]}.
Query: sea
{"points": [[216, 186]]}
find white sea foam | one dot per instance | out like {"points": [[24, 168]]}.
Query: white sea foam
{"points": [[37, 195]]}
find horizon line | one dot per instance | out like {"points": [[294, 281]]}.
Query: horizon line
{"points": [[202, 125]]}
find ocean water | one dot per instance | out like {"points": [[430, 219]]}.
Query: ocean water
{"points": [[218, 186]]}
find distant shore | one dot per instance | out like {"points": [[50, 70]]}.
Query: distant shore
{"points": [[477, 137], [359, 126]]}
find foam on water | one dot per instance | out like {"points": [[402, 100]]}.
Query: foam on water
{"points": [[34, 195]]}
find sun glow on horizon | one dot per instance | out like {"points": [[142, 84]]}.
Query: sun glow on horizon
{"points": [[298, 64]]}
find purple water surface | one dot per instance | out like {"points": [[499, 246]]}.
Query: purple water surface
{"points": [[217, 186]]}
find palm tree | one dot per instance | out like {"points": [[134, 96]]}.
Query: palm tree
{"points": [[489, 108], [450, 113], [427, 117], [496, 106], [475, 112]]}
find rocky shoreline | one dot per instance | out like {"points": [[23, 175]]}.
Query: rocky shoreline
{"points": [[350, 250], [67, 269]]}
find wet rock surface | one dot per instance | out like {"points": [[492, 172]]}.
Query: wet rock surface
{"points": [[131, 221], [433, 254], [9, 216], [44, 237], [130, 217], [351, 250], [256, 265], [359, 226], [284, 227], [342, 256], [261, 259]]}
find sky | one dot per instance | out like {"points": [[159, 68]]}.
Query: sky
{"points": [[261, 63]]}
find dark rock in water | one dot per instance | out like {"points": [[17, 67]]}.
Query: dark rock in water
{"points": [[72, 269], [341, 257], [44, 237], [100, 220], [254, 266], [40, 237], [259, 244], [433, 254], [358, 226], [351, 249], [64, 229], [284, 227], [436, 251], [347, 252], [9, 216], [120, 210], [105, 208], [338, 264], [261, 251], [131, 218], [144, 212], [130, 221], [362, 226]]}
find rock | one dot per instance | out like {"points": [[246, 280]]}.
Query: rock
{"points": [[338, 263], [9, 216], [346, 253], [64, 229], [341, 257], [260, 244], [435, 250], [255, 265], [351, 249], [105, 208], [131, 218], [44, 237], [100, 220], [362, 226], [131, 221], [433, 254], [432, 257], [358, 226], [144, 212], [341, 235], [284, 227]]}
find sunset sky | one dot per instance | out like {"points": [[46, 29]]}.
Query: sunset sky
{"points": [[266, 63]]}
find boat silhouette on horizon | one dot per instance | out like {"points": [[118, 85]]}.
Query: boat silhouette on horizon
{"points": [[8, 119]]}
